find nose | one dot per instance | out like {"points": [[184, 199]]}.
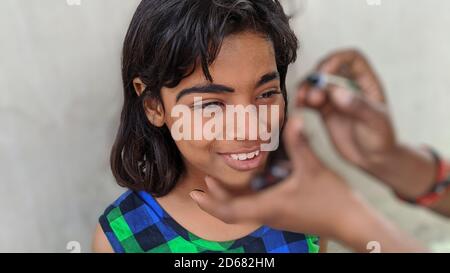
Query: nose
{"points": [[241, 122]]}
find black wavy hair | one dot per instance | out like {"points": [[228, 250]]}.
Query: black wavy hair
{"points": [[165, 42]]}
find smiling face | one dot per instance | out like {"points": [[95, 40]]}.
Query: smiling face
{"points": [[244, 73]]}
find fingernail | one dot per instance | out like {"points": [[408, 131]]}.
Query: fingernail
{"points": [[342, 97], [195, 194], [207, 179]]}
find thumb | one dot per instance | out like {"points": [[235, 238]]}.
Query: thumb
{"points": [[213, 206], [220, 203], [355, 105], [245, 208], [297, 146]]}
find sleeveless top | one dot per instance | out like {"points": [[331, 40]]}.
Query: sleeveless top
{"points": [[136, 223]]}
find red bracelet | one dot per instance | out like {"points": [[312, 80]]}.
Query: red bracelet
{"points": [[439, 189]]}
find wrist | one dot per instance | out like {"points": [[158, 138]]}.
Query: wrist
{"points": [[364, 226], [408, 171], [353, 229]]}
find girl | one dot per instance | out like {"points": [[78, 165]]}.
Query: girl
{"points": [[226, 52]]}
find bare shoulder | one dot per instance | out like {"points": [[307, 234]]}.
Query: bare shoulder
{"points": [[100, 243]]}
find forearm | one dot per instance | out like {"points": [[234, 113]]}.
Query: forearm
{"points": [[411, 172], [407, 170], [365, 228], [443, 205]]}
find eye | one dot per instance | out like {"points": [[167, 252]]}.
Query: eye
{"points": [[208, 104], [269, 94]]}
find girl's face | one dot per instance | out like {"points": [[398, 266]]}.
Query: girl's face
{"points": [[244, 73]]}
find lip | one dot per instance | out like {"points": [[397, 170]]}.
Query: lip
{"points": [[244, 165], [243, 150]]}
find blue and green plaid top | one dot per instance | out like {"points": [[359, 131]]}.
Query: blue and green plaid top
{"points": [[136, 223]]}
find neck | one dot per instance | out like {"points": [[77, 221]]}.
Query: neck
{"points": [[192, 179], [186, 212]]}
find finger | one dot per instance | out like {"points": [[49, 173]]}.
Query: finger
{"points": [[356, 106], [213, 206], [297, 146], [310, 97], [248, 208], [338, 61], [354, 65], [315, 98], [216, 190], [300, 99], [303, 92]]}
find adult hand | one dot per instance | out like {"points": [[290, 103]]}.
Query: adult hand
{"points": [[361, 129], [312, 200]]}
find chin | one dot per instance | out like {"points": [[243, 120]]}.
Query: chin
{"points": [[235, 180]]}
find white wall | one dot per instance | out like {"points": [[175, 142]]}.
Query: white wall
{"points": [[60, 96], [407, 41]]}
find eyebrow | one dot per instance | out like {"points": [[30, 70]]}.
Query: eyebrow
{"points": [[218, 88], [268, 78]]}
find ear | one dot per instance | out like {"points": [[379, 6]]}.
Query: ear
{"points": [[153, 108], [139, 86]]}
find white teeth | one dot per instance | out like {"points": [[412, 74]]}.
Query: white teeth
{"points": [[243, 157]]}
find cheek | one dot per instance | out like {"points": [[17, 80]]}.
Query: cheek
{"points": [[276, 115], [196, 152]]}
